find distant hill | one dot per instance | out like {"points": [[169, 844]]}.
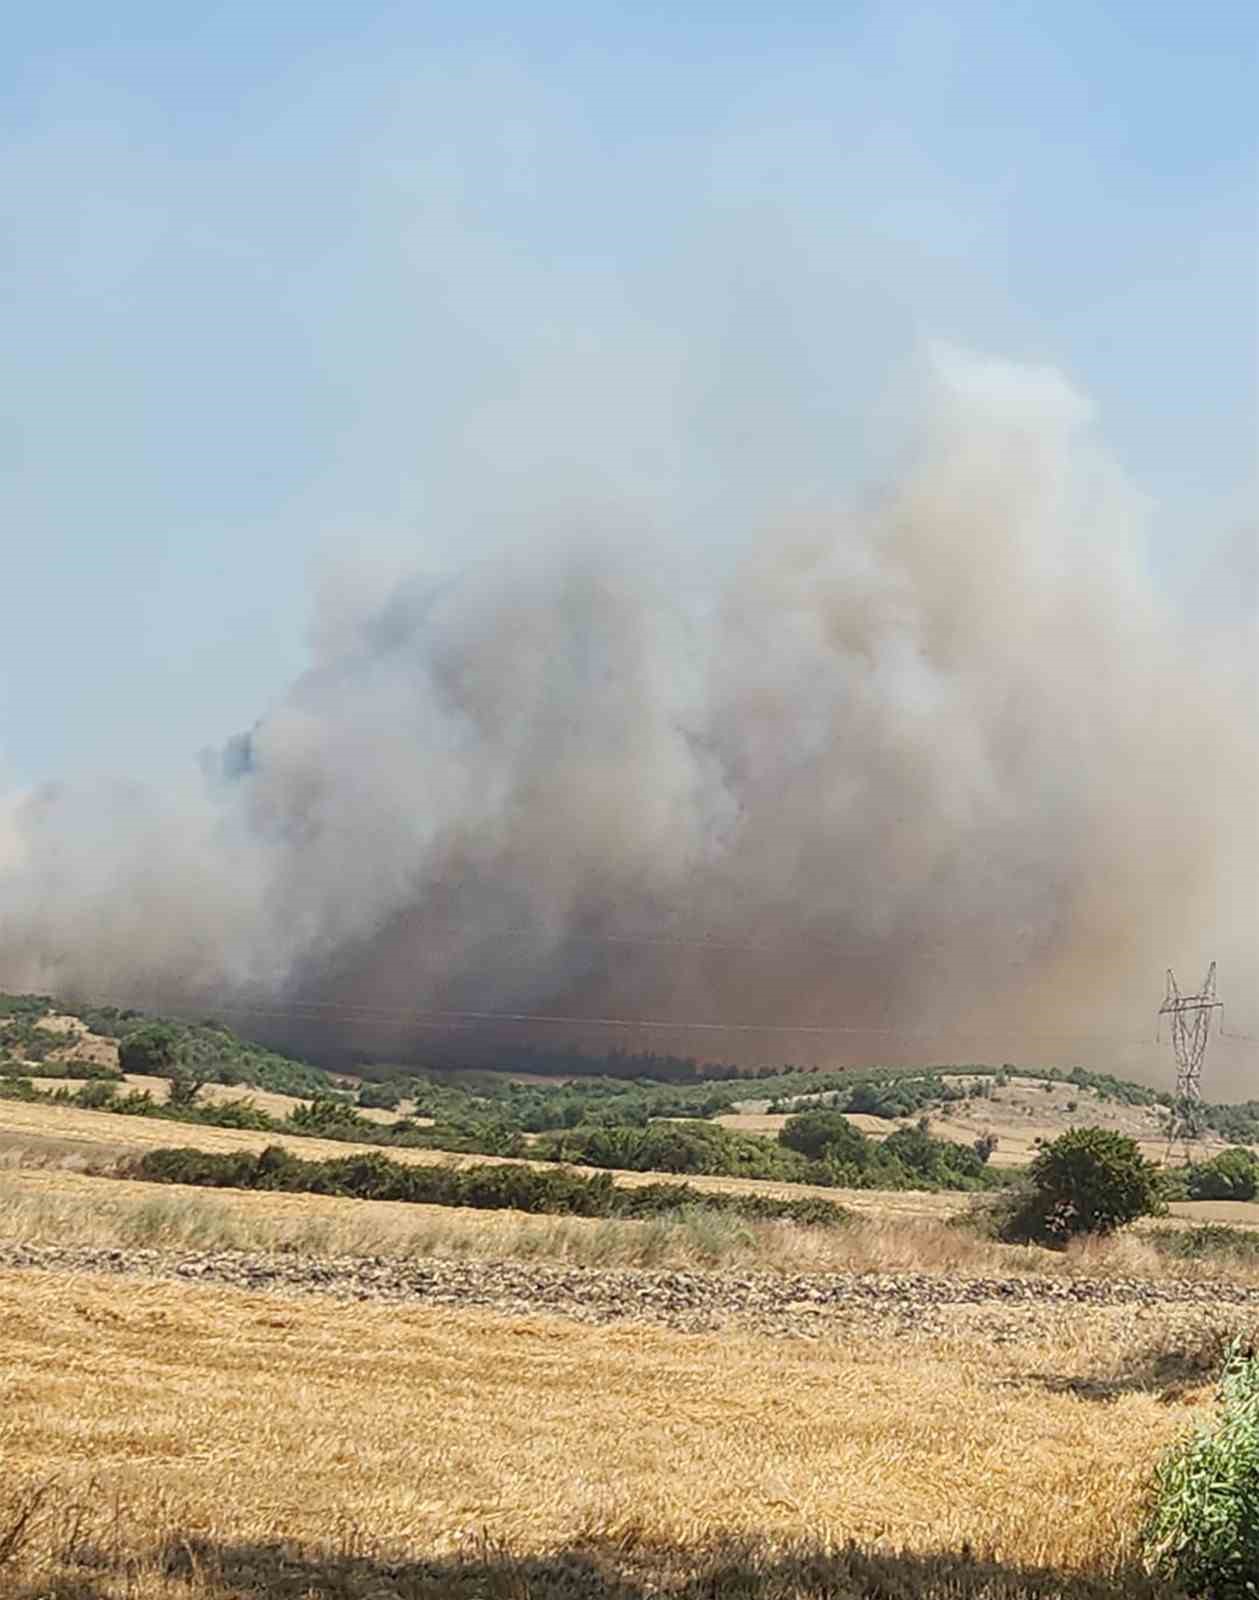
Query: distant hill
{"points": [[54, 1038]]}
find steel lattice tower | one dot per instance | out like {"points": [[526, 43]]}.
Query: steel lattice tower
{"points": [[1191, 1026]]}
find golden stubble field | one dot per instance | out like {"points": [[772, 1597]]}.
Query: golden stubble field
{"points": [[166, 1441], [186, 1440]]}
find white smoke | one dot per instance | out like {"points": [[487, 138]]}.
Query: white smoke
{"points": [[948, 756]]}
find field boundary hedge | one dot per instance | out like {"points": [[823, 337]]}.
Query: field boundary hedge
{"points": [[489, 1186]]}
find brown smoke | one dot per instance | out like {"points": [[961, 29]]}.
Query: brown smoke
{"points": [[950, 764]]}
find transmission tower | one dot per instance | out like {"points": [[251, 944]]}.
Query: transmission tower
{"points": [[1191, 1025]]}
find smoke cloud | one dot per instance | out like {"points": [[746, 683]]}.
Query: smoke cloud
{"points": [[946, 765]]}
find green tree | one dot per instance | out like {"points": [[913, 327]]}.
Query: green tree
{"points": [[825, 1136], [1089, 1180], [153, 1049], [380, 1097]]}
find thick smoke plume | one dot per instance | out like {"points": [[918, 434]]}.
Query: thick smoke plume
{"points": [[949, 763]]}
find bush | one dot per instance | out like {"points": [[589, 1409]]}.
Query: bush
{"points": [[379, 1097], [825, 1136], [325, 1117], [1209, 1241], [1089, 1180], [96, 1094], [492, 1186], [14, 1088], [153, 1049], [1232, 1175], [1203, 1527]]}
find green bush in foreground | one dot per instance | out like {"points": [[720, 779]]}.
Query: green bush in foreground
{"points": [[1203, 1527], [488, 1186]]}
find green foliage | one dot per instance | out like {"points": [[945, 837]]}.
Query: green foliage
{"points": [[152, 1049], [83, 1070], [499, 1186], [380, 1096], [1089, 1180], [695, 1147], [95, 1095], [29, 1007], [1209, 1241], [184, 1089], [1203, 1526], [825, 1136], [233, 1114], [15, 1088], [324, 1117], [1239, 1123], [908, 1159], [1232, 1175]]}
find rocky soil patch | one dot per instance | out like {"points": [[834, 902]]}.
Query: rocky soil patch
{"points": [[689, 1301]]}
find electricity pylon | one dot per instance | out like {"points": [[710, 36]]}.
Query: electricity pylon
{"points": [[1191, 1025]]}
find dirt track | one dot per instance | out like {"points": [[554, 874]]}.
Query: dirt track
{"points": [[688, 1301]]}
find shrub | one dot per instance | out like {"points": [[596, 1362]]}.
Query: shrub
{"points": [[1209, 1241], [1232, 1175], [379, 1097], [233, 1114], [825, 1136], [96, 1094], [152, 1049], [1203, 1526], [1089, 1180], [491, 1186], [325, 1117], [183, 1091]]}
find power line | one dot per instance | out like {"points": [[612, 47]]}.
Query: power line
{"points": [[452, 1016]]}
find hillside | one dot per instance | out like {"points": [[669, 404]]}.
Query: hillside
{"points": [[1021, 1113], [48, 1038]]}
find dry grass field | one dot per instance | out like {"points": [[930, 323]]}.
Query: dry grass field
{"points": [[197, 1441], [49, 1205], [184, 1441]]}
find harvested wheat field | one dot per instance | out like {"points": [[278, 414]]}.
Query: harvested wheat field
{"points": [[179, 1440]]}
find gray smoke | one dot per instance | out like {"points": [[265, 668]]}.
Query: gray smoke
{"points": [[947, 761]]}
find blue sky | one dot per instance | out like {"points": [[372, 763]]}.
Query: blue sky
{"points": [[393, 281]]}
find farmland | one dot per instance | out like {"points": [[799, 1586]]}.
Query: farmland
{"points": [[465, 1453], [475, 1403]]}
